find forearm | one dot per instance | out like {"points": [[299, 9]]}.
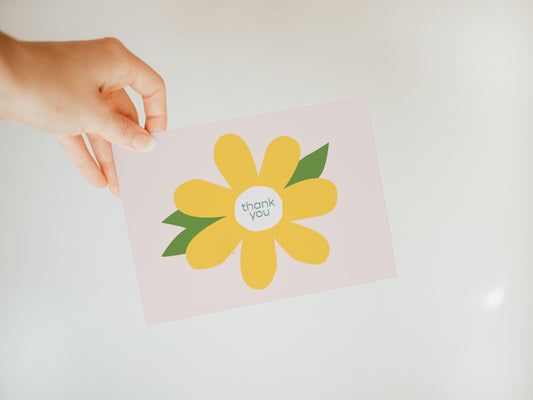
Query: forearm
{"points": [[33, 84], [9, 55]]}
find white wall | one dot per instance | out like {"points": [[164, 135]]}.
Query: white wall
{"points": [[451, 90]]}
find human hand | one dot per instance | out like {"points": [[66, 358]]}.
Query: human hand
{"points": [[70, 88]]}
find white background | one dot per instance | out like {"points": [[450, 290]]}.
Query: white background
{"points": [[450, 85]]}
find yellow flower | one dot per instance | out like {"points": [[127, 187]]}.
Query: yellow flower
{"points": [[257, 209]]}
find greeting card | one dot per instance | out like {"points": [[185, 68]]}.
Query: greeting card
{"points": [[256, 209]]}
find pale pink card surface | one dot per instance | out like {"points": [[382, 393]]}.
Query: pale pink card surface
{"points": [[261, 224]]}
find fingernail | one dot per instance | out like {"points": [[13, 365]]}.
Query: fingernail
{"points": [[143, 142]]}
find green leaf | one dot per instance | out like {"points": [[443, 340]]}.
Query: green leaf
{"points": [[193, 226], [179, 244], [188, 221], [311, 166]]}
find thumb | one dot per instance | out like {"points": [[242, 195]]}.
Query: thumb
{"points": [[120, 130]]}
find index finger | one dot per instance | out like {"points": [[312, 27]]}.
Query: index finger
{"points": [[151, 87]]}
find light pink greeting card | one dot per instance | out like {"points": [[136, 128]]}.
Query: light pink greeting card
{"points": [[255, 209]]}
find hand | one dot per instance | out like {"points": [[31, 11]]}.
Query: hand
{"points": [[70, 88]]}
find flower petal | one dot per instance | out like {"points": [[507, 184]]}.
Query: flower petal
{"points": [[258, 260], [280, 161], [235, 162], [309, 198], [303, 244], [214, 244], [200, 198]]}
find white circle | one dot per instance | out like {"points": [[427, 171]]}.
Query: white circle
{"points": [[258, 208]]}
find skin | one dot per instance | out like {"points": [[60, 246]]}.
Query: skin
{"points": [[75, 88]]}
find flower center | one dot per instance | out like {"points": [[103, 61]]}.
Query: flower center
{"points": [[258, 208]]}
